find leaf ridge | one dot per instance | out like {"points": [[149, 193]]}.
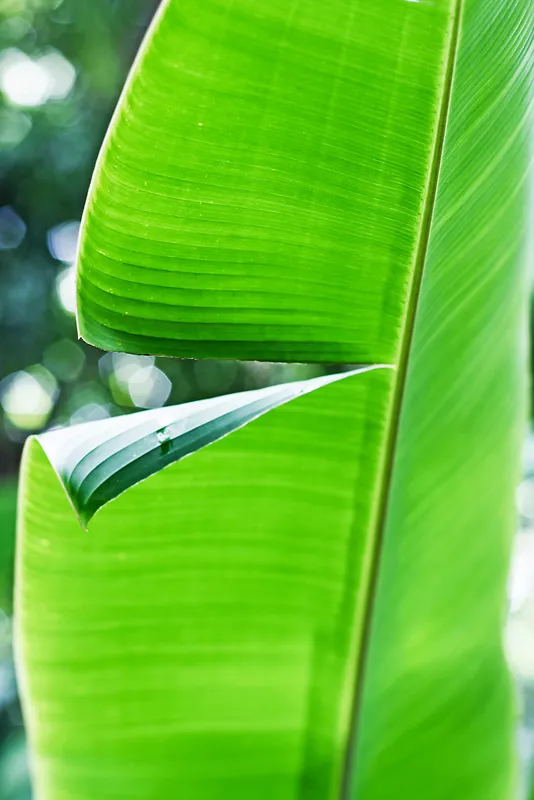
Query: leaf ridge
{"points": [[382, 505]]}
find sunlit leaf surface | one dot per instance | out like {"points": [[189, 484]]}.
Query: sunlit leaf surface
{"points": [[223, 666], [261, 188], [437, 708], [309, 608]]}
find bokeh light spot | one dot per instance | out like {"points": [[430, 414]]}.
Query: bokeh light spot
{"points": [[12, 229], [23, 81], [65, 359], [61, 74], [63, 241], [28, 397], [90, 412], [66, 289], [30, 82], [14, 127], [149, 387]]}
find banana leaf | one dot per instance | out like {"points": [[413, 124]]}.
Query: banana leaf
{"points": [[199, 639], [311, 607], [260, 191]]}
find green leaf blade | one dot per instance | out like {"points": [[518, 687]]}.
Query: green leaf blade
{"points": [[437, 709], [260, 191], [227, 663], [364, 542]]}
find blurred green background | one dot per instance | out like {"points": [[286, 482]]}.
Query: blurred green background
{"points": [[62, 66]]}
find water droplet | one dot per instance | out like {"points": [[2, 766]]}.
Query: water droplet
{"points": [[164, 439]]}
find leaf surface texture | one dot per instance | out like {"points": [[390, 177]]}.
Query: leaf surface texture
{"points": [[331, 182], [218, 597], [260, 191]]}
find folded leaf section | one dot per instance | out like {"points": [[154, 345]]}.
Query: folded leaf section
{"points": [[98, 461], [199, 635]]}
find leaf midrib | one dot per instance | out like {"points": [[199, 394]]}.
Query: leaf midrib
{"points": [[383, 494]]}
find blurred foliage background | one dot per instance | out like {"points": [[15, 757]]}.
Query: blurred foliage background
{"points": [[62, 66]]}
